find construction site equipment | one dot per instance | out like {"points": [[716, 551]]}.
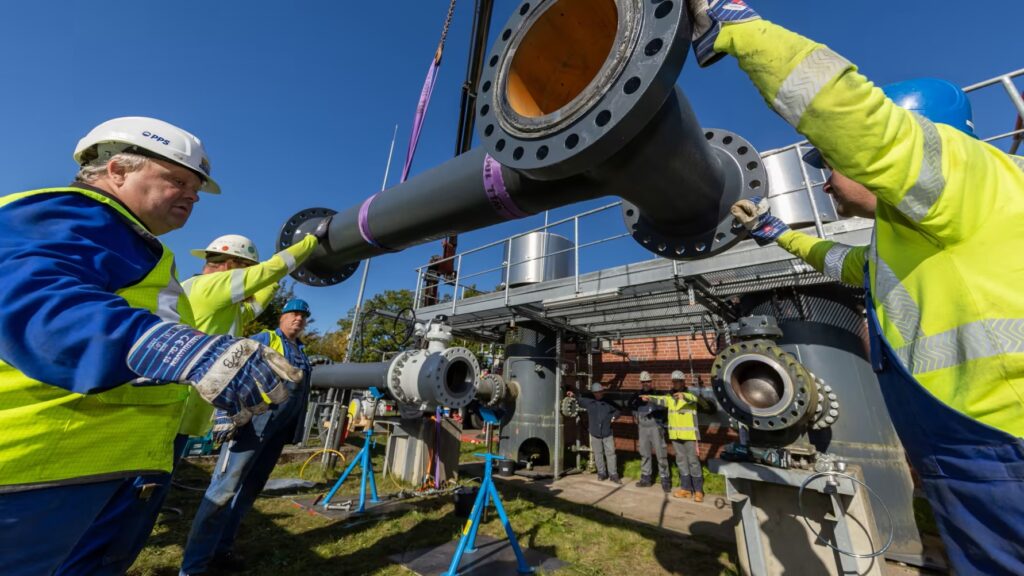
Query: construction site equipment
{"points": [[619, 125], [488, 494], [365, 461]]}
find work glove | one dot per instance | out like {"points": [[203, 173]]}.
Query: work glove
{"points": [[707, 18], [322, 232], [237, 375], [223, 427], [756, 218]]}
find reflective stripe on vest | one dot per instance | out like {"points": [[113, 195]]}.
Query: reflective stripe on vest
{"points": [[918, 201], [805, 81], [53, 436], [834, 259]]}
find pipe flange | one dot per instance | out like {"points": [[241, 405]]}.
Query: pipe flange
{"points": [[745, 177], [622, 75], [570, 407], [763, 387], [295, 229], [394, 377], [827, 412], [455, 389], [496, 384]]}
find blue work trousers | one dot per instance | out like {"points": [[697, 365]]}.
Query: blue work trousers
{"points": [[120, 531], [973, 474], [242, 471]]}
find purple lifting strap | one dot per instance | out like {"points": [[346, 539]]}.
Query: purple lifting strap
{"points": [[364, 225], [494, 186]]}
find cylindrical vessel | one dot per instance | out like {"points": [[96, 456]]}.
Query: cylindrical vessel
{"points": [[539, 257], [789, 199], [528, 433], [824, 327]]}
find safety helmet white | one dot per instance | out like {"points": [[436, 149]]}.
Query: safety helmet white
{"points": [[232, 245], [678, 375], [645, 376], [147, 136]]}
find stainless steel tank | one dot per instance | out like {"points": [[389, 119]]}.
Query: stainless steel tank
{"points": [[788, 198], [539, 257]]}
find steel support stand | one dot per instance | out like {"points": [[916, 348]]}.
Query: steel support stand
{"points": [[361, 459], [488, 493]]}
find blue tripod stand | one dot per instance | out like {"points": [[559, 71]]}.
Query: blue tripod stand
{"points": [[487, 493], [362, 459]]}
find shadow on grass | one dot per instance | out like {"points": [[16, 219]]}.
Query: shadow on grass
{"points": [[279, 538]]}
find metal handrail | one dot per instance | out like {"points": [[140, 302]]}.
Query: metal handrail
{"points": [[1005, 80]]}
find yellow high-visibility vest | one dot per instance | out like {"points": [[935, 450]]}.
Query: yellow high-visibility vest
{"points": [[944, 263], [54, 436]]}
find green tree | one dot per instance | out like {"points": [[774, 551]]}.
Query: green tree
{"points": [[331, 344], [378, 334]]}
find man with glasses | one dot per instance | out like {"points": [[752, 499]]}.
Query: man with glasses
{"points": [[247, 460]]}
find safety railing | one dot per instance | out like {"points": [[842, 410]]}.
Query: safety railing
{"points": [[466, 281]]}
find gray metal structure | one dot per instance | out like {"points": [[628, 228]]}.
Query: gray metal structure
{"points": [[530, 433]]}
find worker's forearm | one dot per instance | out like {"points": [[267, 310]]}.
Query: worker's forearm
{"points": [[860, 132], [837, 261], [265, 274]]}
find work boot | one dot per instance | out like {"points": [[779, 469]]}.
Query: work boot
{"points": [[685, 494], [666, 485], [602, 477], [698, 497], [615, 479], [645, 481]]}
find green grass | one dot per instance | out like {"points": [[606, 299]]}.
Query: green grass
{"points": [[284, 539]]}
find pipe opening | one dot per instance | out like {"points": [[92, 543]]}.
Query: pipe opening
{"points": [[459, 377], [758, 384], [560, 55]]}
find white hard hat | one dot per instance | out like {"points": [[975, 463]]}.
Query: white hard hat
{"points": [[645, 376], [232, 245], [147, 135], [678, 375], [596, 387]]}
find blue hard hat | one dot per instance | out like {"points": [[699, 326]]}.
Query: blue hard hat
{"points": [[296, 305], [937, 100]]}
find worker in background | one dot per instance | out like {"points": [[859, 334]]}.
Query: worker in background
{"points": [[600, 415], [682, 409], [248, 455], [98, 353], [942, 272], [650, 423]]}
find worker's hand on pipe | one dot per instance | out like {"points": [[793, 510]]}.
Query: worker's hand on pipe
{"points": [[322, 232], [237, 375], [753, 214], [707, 18], [223, 427]]}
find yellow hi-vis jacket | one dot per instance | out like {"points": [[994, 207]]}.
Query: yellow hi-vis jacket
{"points": [[54, 436], [224, 301], [945, 263], [682, 416]]}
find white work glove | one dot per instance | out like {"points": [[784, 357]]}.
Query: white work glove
{"points": [[706, 20]]}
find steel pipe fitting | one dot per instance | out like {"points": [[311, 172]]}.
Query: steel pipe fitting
{"points": [[577, 101]]}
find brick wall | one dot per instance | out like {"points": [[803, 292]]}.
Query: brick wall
{"points": [[619, 371]]}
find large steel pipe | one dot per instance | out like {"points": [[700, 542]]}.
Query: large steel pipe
{"points": [[577, 100]]}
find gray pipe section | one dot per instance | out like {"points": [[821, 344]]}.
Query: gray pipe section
{"points": [[668, 171], [351, 375]]}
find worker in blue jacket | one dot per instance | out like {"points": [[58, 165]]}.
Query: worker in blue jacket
{"points": [[249, 454], [97, 350]]}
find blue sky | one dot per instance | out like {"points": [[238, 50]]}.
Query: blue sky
{"points": [[296, 101]]}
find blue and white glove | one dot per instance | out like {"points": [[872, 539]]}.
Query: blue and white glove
{"points": [[756, 218], [223, 427], [707, 18], [237, 375]]}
